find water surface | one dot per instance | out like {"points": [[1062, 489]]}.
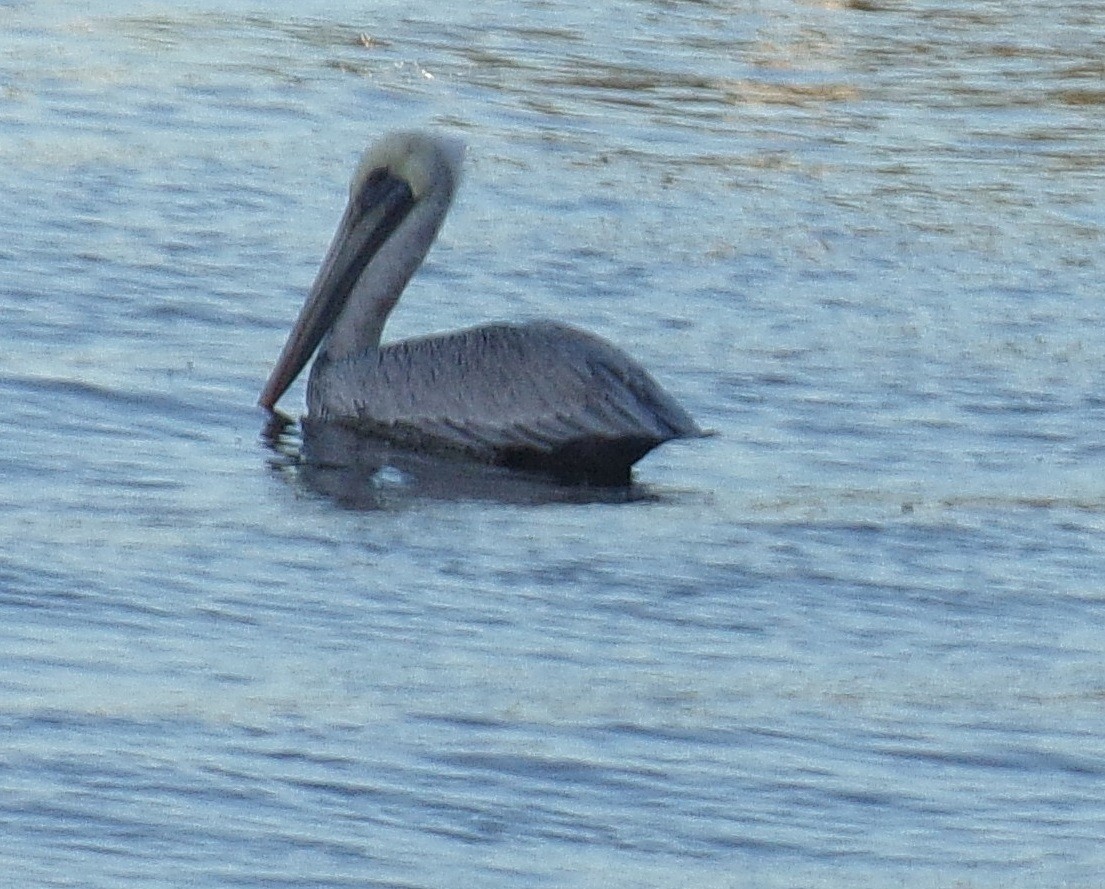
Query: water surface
{"points": [[854, 637]]}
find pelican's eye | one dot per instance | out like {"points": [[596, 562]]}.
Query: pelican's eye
{"points": [[376, 176]]}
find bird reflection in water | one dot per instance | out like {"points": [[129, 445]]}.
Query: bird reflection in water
{"points": [[364, 473]]}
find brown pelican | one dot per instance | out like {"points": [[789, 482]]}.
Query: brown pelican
{"points": [[539, 396]]}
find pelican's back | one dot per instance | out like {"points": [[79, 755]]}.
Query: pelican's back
{"points": [[541, 396]]}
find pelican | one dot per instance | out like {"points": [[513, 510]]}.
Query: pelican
{"points": [[541, 396]]}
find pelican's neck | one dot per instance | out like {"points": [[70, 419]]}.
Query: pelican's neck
{"points": [[360, 325]]}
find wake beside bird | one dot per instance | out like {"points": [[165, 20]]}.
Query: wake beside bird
{"points": [[540, 396]]}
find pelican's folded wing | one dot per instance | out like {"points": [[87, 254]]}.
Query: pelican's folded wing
{"points": [[539, 395]]}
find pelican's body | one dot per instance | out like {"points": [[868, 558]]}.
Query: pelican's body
{"points": [[541, 396]]}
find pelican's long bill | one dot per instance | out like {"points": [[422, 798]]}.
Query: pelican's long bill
{"points": [[376, 207]]}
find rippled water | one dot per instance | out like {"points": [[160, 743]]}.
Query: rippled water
{"points": [[855, 636]]}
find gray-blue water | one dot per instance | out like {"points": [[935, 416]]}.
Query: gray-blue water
{"points": [[855, 638]]}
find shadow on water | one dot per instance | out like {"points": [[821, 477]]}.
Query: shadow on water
{"points": [[362, 473]]}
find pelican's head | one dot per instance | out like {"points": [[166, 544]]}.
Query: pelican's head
{"points": [[398, 198], [423, 161]]}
